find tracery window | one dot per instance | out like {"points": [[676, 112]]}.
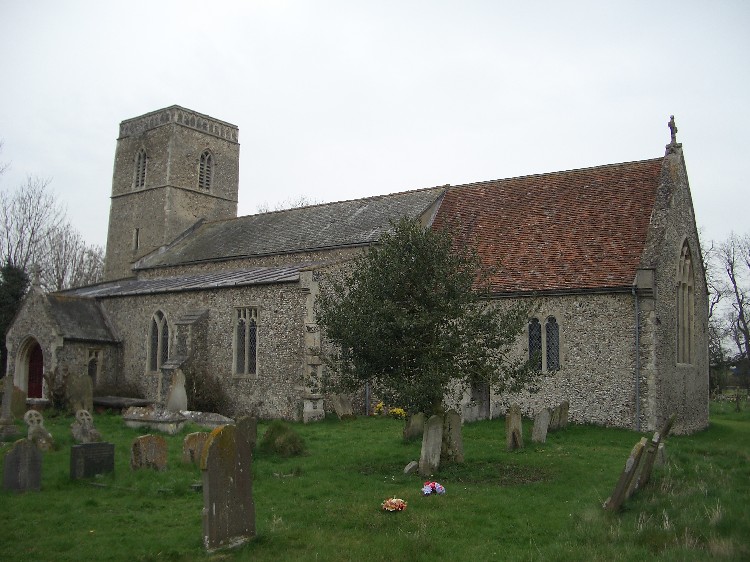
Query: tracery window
{"points": [[246, 341], [685, 306], [206, 170], [544, 345], [140, 169], [158, 337]]}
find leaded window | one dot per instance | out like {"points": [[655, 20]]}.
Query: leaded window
{"points": [[246, 341], [535, 344], [140, 169], [552, 347], [685, 307], [206, 170], [158, 341]]}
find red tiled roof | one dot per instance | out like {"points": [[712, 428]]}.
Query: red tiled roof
{"points": [[579, 229]]}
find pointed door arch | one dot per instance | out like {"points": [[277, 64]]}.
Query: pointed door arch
{"points": [[35, 381]]}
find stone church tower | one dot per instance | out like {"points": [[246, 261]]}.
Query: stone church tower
{"points": [[173, 167]]}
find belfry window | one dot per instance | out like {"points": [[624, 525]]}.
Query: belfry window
{"points": [[158, 337], [246, 341], [685, 307], [206, 170], [140, 169]]}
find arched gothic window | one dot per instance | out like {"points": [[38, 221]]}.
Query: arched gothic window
{"points": [[544, 345], [685, 306], [246, 341], [206, 170], [140, 169], [158, 337]]}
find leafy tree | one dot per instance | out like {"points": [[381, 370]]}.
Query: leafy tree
{"points": [[13, 285], [412, 318]]}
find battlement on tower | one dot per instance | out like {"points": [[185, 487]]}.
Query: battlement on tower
{"points": [[181, 116]]}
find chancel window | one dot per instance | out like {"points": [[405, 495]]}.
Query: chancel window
{"points": [[158, 341], [140, 169], [206, 170], [246, 341], [544, 345], [685, 307]]}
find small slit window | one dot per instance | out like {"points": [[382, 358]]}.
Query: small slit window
{"points": [[140, 169], [206, 170], [685, 307]]}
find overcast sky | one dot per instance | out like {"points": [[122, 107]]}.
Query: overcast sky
{"points": [[344, 99]]}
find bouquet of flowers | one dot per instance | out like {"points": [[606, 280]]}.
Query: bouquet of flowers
{"points": [[394, 504], [432, 488]]}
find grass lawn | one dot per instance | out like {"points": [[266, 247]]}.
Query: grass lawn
{"points": [[540, 503]]}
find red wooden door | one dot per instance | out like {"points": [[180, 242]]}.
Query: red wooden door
{"points": [[36, 368]]}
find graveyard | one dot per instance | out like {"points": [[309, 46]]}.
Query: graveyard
{"points": [[509, 499]]}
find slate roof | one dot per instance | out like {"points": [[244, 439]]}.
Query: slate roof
{"points": [[194, 282], [79, 319], [572, 230], [332, 225]]}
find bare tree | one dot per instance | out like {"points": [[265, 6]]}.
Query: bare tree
{"points": [[733, 256], [68, 261], [290, 203]]}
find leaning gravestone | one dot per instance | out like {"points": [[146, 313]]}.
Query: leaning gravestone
{"points": [[228, 508], [432, 442], [619, 494], [149, 451], [79, 393], [192, 446], [414, 426], [37, 433], [342, 405], [514, 428], [453, 445], [7, 425], [541, 423], [23, 467], [83, 429], [177, 397], [91, 459]]}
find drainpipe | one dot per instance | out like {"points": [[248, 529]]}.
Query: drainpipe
{"points": [[637, 361]]}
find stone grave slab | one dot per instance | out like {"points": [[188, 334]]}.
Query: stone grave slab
{"points": [[192, 447], [615, 501], [414, 426], [22, 469], [453, 445], [513, 428], [432, 442], [541, 424], [342, 405], [82, 429], [149, 451], [90, 459]]}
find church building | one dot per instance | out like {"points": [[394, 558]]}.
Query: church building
{"points": [[608, 257]]}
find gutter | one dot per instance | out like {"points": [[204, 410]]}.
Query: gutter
{"points": [[637, 359]]}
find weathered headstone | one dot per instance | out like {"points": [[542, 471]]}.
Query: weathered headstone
{"points": [[554, 421], [414, 426], [228, 508], [248, 426], [149, 451], [342, 405], [649, 458], [7, 425], [619, 494], [37, 433], [513, 428], [432, 442], [83, 429], [412, 467], [541, 423], [192, 447], [23, 467], [90, 459], [177, 397], [564, 412], [79, 392], [453, 445], [18, 402]]}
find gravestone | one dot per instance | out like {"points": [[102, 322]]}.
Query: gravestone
{"points": [[564, 412], [342, 405], [192, 446], [149, 451], [649, 458], [619, 494], [432, 442], [17, 402], [37, 433], [228, 508], [248, 426], [513, 428], [452, 442], [23, 467], [7, 425], [412, 467], [414, 426], [177, 397], [83, 429], [79, 392], [541, 423], [554, 420], [90, 459]]}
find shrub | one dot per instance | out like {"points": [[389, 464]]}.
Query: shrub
{"points": [[282, 440]]}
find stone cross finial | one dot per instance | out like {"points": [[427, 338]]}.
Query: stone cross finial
{"points": [[673, 129]]}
